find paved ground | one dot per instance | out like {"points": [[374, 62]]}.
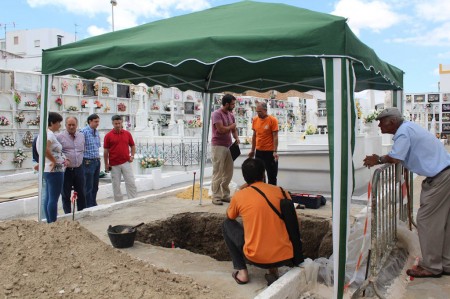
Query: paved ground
{"points": [[430, 288], [204, 269]]}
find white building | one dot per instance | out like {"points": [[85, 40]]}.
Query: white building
{"points": [[444, 78], [22, 49]]}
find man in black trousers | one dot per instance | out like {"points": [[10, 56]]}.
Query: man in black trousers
{"points": [[72, 142]]}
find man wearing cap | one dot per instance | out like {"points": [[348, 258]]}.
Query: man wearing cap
{"points": [[421, 152]]}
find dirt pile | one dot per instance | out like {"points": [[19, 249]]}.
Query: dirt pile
{"points": [[63, 259], [189, 191]]}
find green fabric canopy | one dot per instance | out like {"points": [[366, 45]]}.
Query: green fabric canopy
{"points": [[236, 47], [247, 46]]}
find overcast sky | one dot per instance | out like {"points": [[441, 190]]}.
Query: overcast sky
{"points": [[413, 35]]}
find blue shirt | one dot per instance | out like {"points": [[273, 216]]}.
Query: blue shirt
{"points": [[419, 150], [92, 143]]}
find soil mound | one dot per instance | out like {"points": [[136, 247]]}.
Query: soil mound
{"points": [[63, 259]]}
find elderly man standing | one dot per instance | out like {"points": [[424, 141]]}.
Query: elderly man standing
{"points": [[421, 152], [72, 142], [91, 159], [223, 126], [119, 150], [265, 141]]}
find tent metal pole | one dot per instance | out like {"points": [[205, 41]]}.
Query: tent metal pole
{"points": [[339, 88], [42, 145], [207, 97]]}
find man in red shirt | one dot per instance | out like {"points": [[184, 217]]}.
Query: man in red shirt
{"points": [[117, 146]]}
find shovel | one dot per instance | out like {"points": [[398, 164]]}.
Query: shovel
{"points": [[130, 229]]}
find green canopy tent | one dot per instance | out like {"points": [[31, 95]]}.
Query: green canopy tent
{"points": [[246, 46]]}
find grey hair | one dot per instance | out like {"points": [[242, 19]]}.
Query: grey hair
{"points": [[397, 119], [69, 117]]}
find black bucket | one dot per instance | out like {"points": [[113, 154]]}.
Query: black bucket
{"points": [[121, 239]]}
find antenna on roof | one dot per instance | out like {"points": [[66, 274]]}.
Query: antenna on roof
{"points": [[5, 25]]}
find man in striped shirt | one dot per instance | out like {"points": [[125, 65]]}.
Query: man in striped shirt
{"points": [[91, 159], [72, 142]]}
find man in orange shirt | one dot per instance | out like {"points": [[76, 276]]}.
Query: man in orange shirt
{"points": [[263, 240], [265, 141]]}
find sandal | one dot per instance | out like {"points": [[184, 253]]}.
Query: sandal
{"points": [[420, 272], [238, 281]]}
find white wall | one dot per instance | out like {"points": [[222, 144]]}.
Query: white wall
{"points": [[22, 64], [48, 38], [444, 77]]}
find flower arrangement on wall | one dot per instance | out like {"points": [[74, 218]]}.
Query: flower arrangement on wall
{"points": [[98, 103], [30, 104], [72, 108], [155, 107], [19, 157], [34, 122], [371, 116], [83, 103], [4, 121], [38, 99], [358, 110], [79, 87], [150, 90], [7, 141], [27, 139], [121, 107], [107, 108], [150, 162], [159, 91], [194, 123], [59, 102], [19, 118], [64, 86], [105, 90], [17, 97], [96, 84]]}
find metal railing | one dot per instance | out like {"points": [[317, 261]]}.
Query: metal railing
{"points": [[174, 153], [387, 207]]}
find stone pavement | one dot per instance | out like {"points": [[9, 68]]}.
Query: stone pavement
{"points": [[430, 288], [163, 204]]}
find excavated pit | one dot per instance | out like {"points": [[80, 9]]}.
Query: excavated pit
{"points": [[201, 233]]}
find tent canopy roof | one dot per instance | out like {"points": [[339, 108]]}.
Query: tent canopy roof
{"points": [[237, 47]]}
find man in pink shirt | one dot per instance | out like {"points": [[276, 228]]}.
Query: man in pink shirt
{"points": [[223, 126]]}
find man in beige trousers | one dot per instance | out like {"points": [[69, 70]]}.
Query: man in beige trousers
{"points": [[223, 126]]}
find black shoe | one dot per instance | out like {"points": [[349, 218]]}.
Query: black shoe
{"points": [[270, 278], [226, 199], [217, 202]]}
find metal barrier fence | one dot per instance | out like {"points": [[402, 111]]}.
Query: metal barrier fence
{"points": [[387, 207], [174, 153]]}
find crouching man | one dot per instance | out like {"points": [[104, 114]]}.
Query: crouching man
{"points": [[263, 240]]}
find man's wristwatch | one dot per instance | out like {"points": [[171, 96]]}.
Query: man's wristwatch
{"points": [[379, 160]]}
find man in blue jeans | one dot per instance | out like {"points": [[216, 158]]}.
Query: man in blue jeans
{"points": [[91, 159]]}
